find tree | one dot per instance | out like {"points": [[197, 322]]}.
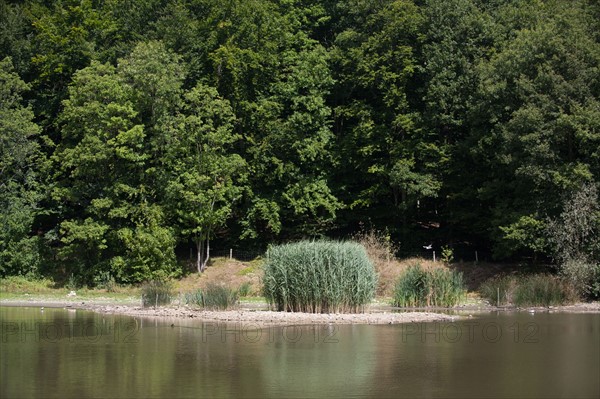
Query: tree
{"points": [[575, 240], [67, 36], [112, 220], [20, 184], [535, 133], [384, 168], [291, 157], [205, 176]]}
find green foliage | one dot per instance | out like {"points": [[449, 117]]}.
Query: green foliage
{"points": [[541, 290], [174, 123], [158, 292], [106, 281], [534, 127], [102, 167], [447, 255], [411, 289], [384, 168], [418, 287], [319, 277], [214, 297], [530, 290], [205, 175], [575, 239], [20, 183], [244, 289], [527, 232], [26, 284]]}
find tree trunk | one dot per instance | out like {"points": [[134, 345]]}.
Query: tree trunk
{"points": [[205, 262], [199, 252], [201, 259]]}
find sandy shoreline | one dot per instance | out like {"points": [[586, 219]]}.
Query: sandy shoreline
{"points": [[248, 313], [243, 315]]}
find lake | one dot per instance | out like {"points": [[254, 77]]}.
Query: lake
{"points": [[70, 353]]}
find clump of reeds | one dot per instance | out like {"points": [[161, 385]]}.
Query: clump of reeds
{"points": [[244, 289], [157, 293], [214, 297], [531, 290], [418, 287], [498, 290], [319, 277]]}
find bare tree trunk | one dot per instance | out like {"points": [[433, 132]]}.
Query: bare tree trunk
{"points": [[202, 258], [200, 251], [205, 262]]}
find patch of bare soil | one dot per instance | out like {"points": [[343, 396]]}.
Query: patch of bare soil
{"points": [[228, 272]]}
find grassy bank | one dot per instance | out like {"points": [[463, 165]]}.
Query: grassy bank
{"points": [[234, 274]]}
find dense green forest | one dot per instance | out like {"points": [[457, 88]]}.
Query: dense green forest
{"points": [[132, 132]]}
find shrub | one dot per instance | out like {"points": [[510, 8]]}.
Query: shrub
{"points": [[156, 293], [575, 239], [447, 255], [319, 277], [379, 246], [213, 297], [533, 290], [105, 280], [584, 276], [437, 287]]}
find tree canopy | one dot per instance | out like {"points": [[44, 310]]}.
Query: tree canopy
{"points": [[132, 132]]}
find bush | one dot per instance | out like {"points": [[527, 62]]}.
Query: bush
{"points": [[105, 280], [213, 297], [575, 240], [419, 287], [533, 290], [584, 276], [319, 277], [156, 293]]}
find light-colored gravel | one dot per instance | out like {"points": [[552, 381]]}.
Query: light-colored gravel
{"points": [[257, 314], [276, 318]]}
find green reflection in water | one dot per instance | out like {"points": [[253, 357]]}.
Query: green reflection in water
{"points": [[74, 354]]}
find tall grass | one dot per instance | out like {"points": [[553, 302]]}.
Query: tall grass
{"points": [[418, 287], [23, 284], [214, 297], [531, 290], [157, 293], [498, 290], [319, 277]]}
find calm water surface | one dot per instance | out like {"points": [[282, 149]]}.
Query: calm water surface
{"points": [[75, 354]]}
